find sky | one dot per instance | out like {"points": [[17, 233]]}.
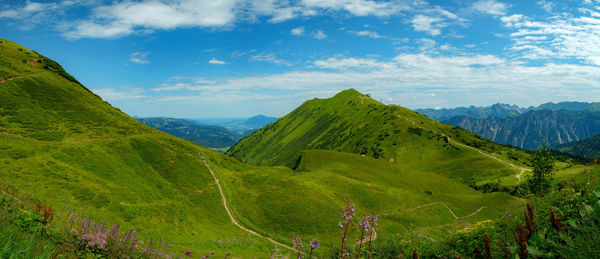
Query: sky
{"points": [[239, 58]]}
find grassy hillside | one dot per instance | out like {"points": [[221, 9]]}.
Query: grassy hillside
{"points": [[352, 122], [64, 145], [307, 201]]}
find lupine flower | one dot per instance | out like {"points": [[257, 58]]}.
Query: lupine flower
{"points": [[314, 243]]}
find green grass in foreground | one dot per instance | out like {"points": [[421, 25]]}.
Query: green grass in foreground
{"points": [[308, 201]]}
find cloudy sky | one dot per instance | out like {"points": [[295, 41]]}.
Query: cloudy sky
{"points": [[238, 58]]}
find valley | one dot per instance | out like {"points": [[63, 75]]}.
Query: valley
{"points": [[63, 145]]}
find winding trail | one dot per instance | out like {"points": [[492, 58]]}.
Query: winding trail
{"points": [[232, 218], [519, 175], [523, 169], [449, 209]]}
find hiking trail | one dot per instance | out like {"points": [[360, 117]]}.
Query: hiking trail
{"points": [[231, 217]]}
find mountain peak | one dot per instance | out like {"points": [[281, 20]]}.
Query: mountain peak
{"points": [[349, 93]]}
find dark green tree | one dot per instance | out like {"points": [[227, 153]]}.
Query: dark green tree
{"points": [[543, 170]]}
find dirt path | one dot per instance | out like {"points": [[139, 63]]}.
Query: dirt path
{"points": [[519, 175], [523, 169], [369, 238], [232, 218], [449, 209], [17, 77]]}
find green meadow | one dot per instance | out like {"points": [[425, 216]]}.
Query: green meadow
{"points": [[61, 144]]}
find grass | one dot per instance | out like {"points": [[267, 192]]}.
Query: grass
{"points": [[64, 145], [308, 201]]}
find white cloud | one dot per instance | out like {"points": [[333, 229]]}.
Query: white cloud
{"points": [[216, 61], [358, 7], [475, 79], [431, 25], [319, 35], [546, 5], [299, 31], [112, 94], [269, 57], [492, 7], [370, 34], [559, 37], [139, 57], [351, 63], [123, 17]]}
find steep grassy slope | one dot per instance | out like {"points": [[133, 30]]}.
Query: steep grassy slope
{"points": [[64, 145], [531, 129], [351, 122], [588, 148]]}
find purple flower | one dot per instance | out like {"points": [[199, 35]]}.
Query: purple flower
{"points": [[314, 243], [188, 253], [298, 243]]}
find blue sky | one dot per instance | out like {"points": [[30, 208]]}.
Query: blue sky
{"points": [[238, 58]]}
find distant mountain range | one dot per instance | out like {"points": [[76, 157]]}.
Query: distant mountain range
{"points": [[213, 133], [530, 130], [210, 136], [527, 128], [501, 110]]}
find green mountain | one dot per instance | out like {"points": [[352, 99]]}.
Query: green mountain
{"points": [[588, 148], [354, 123], [530, 130], [209, 136], [61, 144]]}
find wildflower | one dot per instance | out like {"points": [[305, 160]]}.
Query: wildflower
{"points": [[298, 246], [347, 216], [188, 253]]}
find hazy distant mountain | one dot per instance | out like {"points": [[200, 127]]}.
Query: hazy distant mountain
{"points": [[259, 121], [498, 110], [210, 136], [531, 129], [501, 110]]}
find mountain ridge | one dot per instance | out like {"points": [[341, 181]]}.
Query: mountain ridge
{"points": [[352, 122]]}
